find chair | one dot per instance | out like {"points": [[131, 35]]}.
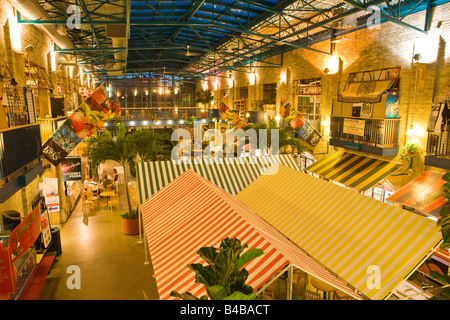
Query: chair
{"points": [[114, 202], [91, 197], [309, 295], [86, 203], [109, 188]]}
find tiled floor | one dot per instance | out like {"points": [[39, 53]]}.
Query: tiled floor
{"points": [[111, 263]]}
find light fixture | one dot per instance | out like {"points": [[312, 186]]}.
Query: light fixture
{"points": [[326, 71], [412, 131], [247, 114], [277, 118], [416, 57], [282, 77]]}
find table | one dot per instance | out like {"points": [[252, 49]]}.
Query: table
{"points": [[107, 194], [322, 286]]}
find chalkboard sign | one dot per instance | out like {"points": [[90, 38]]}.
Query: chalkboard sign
{"points": [[57, 105]]}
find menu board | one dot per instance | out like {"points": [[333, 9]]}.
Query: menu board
{"points": [[82, 123], [354, 126]]}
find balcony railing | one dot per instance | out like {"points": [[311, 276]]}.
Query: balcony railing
{"points": [[376, 136], [438, 150], [161, 113]]}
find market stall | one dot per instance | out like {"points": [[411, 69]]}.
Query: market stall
{"points": [[352, 170], [232, 175], [423, 194], [207, 215], [356, 237]]}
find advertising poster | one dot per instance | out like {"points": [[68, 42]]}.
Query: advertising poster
{"points": [[231, 116], [392, 101], [71, 169], [305, 130], [25, 234], [7, 281], [82, 123]]}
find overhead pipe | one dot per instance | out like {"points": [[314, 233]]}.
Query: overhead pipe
{"points": [[33, 10]]}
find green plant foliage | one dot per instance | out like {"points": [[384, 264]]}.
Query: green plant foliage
{"points": [[224, 277], [190, 120], [204, 96], [285, 138], [409, 151]]}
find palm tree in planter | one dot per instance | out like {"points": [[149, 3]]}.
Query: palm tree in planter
{"points": [[152, 145], [121, 149]]}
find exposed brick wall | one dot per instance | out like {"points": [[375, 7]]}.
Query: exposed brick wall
{"points": [[386, 45]]}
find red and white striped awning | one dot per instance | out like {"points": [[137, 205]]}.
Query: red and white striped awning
{"points": [[190, 213]]}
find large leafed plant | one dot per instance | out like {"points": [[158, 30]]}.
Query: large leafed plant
{"points": [[224, 277]]}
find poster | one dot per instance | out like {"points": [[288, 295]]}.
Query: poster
{"points": [[354, 126], [25, 234], [305, 130], [231, 116], [45, 228], [366, 110], [7, 280], [71, 169], [392, 102], [81, 124]]}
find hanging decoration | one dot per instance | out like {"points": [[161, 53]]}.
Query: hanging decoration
{"points": [[83, 122]]}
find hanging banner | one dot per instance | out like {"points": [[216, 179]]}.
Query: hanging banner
{"points": [[305, 130], [82, 123], [354, 126], [7, 280], [25, 234], [231, 116], [71, 169]]}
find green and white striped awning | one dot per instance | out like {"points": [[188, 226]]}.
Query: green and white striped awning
{"points": [[232, 175]]}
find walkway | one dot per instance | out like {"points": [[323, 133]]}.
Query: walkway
{"points": [[111, 263]]}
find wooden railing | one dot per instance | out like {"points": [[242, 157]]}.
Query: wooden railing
{"points": [[381, 133], [438, 145]]}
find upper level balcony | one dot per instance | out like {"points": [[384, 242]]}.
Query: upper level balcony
{"points": [[438, 150], [375, 136]]}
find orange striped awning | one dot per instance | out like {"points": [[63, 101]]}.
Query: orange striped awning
{"points": [[424, 193], [190, 213]]}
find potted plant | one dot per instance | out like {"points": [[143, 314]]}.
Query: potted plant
{"points": [[410, 150], [223, 277]]}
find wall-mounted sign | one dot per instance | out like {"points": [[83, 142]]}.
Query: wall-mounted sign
{"points": [[52, 203], [354, 126], [7, 281], [71, 169], [25, 234]]}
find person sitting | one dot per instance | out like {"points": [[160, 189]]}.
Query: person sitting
{"points": [[115, 179], [93, 185], [106, 183], [86, 182]]}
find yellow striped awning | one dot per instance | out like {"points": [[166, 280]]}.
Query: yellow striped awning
{"points": [[352, 235], [353, 170]]}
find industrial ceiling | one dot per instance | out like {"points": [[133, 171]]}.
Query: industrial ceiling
{"points": [[190, 40]]}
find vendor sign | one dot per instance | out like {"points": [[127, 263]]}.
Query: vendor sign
{"points": [[25, 234], [7, 281], [354, 126], [71, 169], [82, 123]]}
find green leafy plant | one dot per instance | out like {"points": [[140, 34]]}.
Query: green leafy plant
{"points": [[152, 145], [224, 277], [190, 120], [410, 150], [285, 138], [204, 96]]}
